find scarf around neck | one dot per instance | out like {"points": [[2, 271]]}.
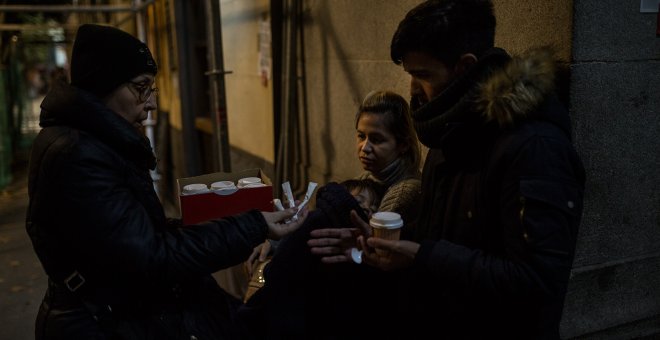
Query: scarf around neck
{"points": [[454, 106], [391, 174]]}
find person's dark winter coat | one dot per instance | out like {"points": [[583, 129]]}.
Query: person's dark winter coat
{"points": [[501, 203], [305, 299], [94, 216]]}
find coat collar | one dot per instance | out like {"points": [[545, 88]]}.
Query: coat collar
{"points": [[74, 107], [499, 91]]}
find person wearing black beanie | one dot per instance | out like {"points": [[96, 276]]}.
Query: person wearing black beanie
{"points": [[105, 57], [117, 267]]}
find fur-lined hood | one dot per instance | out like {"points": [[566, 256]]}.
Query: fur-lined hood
{"points": [[498, 90], [510, 93]]}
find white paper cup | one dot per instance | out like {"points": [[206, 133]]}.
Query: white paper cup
{"points": [[196, 188], [386, 225], [248, 180]]}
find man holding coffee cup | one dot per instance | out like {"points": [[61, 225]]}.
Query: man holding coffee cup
{"points": [[502, 186]]}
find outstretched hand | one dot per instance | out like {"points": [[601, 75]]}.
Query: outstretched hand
{"points": [[395, 254], [277, 227], [334, 244]]}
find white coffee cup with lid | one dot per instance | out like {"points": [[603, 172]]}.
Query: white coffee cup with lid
{"points": [[223, 188], [223, 185], [386, 225], [195, 188], [243, 182], [386, 220]]}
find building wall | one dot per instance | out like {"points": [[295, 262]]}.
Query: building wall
{"points": [[615, 106], [347, 56], [615, 63], [525, 24], [249, 97]]}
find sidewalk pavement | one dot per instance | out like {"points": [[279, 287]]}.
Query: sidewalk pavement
{"points": [[22, 279]]}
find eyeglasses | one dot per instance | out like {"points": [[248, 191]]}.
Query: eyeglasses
{"points": [[144, 91]]}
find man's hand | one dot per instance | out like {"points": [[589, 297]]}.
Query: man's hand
{"points": [[334, 244], [399, 254], [277, 228]]}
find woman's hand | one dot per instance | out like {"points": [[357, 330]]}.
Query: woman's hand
{"points": [[334, 244], [259, 254], [277, 227]]}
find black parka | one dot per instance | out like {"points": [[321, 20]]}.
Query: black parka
{"points": [[303, 298], [502, 192], [94, 215]]}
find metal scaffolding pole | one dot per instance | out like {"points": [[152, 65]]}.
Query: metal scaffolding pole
{"points": [[75, 8], [150, 123], [216, 76], [66, 8]]}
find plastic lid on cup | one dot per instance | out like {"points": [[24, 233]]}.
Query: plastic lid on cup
{"points": [[195, 188], [248, 180], [222, 185], [386, 220]]}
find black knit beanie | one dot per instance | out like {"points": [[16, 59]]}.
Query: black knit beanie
{"points": [[105, 57]]}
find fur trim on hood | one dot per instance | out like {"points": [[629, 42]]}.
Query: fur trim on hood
{"points": [[498, 90], [517, 89]]}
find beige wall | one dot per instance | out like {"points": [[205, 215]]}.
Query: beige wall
{"points": [[347, 47], [524, 24], [249, 103], [347, 56], [347, 50]]}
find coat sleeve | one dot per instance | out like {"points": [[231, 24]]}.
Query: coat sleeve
{"points": [[539, 206], [106, 226]]}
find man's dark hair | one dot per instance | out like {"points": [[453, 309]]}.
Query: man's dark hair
{"points": [[445, 29]]}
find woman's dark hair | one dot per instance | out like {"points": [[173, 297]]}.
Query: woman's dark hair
{"points": [[395, 111], [445, 29]]}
